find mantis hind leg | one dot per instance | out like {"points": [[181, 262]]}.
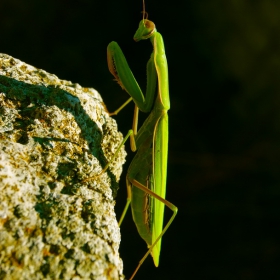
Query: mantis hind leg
{"points": [[171, 206]]}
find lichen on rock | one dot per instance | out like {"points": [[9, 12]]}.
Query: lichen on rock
{"points": [[53, 135]]}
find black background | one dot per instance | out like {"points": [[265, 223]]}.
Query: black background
{"points": [[224, 66]]}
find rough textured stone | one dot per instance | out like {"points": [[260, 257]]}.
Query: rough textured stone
{"points": [[53, 136]]}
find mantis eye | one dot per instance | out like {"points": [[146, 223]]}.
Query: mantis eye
{"points": [[149, 24], [150, 28], [145, 30]]}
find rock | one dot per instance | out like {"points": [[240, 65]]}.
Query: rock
{"points": [[53, 136]]}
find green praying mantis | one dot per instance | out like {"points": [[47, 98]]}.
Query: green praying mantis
{"points": [[146, 176]]}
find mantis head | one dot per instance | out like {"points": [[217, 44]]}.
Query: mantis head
{"points": [[145, 30]]}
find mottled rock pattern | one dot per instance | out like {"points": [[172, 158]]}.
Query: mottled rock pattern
{"points": [[53, 135]]}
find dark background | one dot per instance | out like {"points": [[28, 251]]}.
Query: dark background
{"points": [[224, 65]]}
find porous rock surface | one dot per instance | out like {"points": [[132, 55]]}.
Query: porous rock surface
{"points": [[53, 135]]}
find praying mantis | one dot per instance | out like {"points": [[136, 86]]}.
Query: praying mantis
{"points": [[146, 176]]}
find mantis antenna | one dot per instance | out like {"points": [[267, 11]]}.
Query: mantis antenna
{"points": [[145, 14]]}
